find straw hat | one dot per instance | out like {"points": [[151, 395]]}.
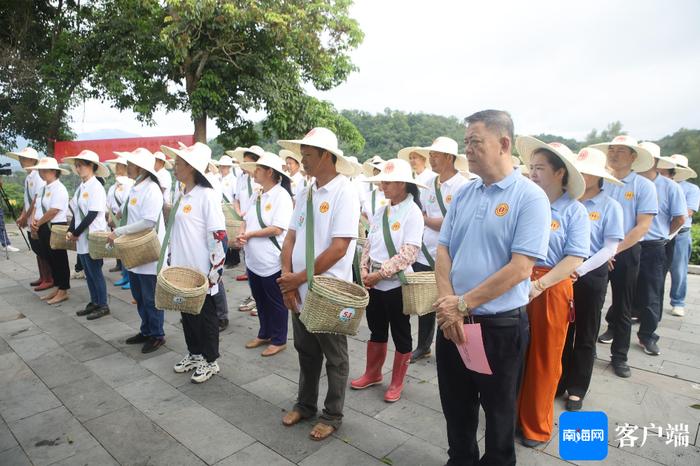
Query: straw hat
{"points": [[142, 158], [269, 160], [197, 155], [287, 154], [89, 156], [679, 163], [406, 152], [325, 139], [48, 163], [161, 156], [527, 145], [356, 165], [644, 160], [27, 153], [445, 145], [370, 164], [591, 161], [238, 153], [395, 170], [524, 169]]}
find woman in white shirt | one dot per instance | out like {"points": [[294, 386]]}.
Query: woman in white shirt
{"points": [[116, 196], [50, 209], [89, 204], [266, 224], [197, 238], [144, 211], [392, 246]]}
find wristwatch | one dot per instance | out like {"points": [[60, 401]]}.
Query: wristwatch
{"points": [[462, 306]]}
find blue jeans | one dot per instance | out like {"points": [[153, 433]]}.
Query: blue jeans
{"points": [[679, 269], [272, 313], [143, 289], [95, 279]]}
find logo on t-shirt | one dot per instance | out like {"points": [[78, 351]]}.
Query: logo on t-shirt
{"points": [[132, 201], [48, 194], [501, 209], [594, 216], [186, 209], [448, 199], [555, 225], [395, 226], [324, 207], [268, 207], [301, 220], [629, 195], [85, 195]]}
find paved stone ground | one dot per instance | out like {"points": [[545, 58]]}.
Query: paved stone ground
{"points": [[71, 392]]}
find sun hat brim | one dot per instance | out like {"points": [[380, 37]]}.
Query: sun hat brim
{"points": [[683, 174], [17, 155], [102, 170], [527, 145], [177, 153], [644, 160], [57, 168], [250, 166], [342, 164], [138, 161], [595, 170]]}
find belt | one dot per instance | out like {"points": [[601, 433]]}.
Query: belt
{"points": [[684, 230], [502, 319], [653, 242]]}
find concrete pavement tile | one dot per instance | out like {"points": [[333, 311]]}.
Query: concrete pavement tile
{"points": [[4, 347], [23, 394], [418, 452], [369, 401], [680, 371], [255, 455], [272, 388], [110, 329], [89, 398], [14, 457], [370, 435], [20, 328], [52, 436], [162, 366], [416, 420], [624, 389], [95, 456], [33, 347], [117, 369], [154, 397], [240, 372], [422, 392], [338, 453], [7, 440], [131, 438], [58, 368]]}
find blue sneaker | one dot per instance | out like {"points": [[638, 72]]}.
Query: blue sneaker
{"points": [[126, 286], [122, 281]]}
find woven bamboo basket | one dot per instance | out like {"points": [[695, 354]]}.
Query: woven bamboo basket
{"points": [[334, 306], [229, 212], [181, 289], [419, 294], [98, 247], [232, 228], [57, 239], [138, 248]]}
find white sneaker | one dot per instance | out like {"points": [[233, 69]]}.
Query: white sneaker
{"points": [[205, 371], [678, 311], [188, 363], [12, 249], [78, 276]]}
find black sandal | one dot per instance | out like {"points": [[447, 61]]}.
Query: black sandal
{"points": [[574, 405]]}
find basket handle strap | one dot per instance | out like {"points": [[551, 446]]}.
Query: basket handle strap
{"points": [[438, 195], [232, 211], [391, 249], [356, 267], [427, 255], [310, 256], [168, 229], [262, 223]]}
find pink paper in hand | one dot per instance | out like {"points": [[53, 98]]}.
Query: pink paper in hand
{"points": [[472, 351]]}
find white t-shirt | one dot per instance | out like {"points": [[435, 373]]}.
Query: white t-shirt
{"points": [[336, 215], [118, 192], [297, 182], [405, 226], [245, 189], [55, 196], [146, 203], [261, 256], [166, 181], [33, 184], [215, 184], [198, 216], [431, 207], [373, 203], [90, 196], [228, 187]]}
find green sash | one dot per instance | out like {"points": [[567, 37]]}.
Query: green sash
{"points": [[438, 195], [389, 243], [262, 224], [168, 229]]}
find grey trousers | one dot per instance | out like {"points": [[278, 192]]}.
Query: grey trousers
{"points": [[312, 347]]}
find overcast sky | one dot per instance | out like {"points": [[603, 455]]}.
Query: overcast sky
{"points": [[560, 67]]}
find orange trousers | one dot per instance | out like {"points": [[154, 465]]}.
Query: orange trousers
{"points": [[549, 322]]}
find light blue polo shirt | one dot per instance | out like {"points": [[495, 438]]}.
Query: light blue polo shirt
{"points": [[605, 217], [692, 199], [671, 204], [637, 196], [485, 225], [570, 231]]}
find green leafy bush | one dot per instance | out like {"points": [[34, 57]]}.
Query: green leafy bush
{"points": [[695, 246]]}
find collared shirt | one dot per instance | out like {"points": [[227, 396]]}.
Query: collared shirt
{"points": [[570, 231], [374, 201], [53, 196], [431, 207], [215, 183], [92, 198], [165, 180], [336, 215], [426, 177], [637, 196], [33, 184], [145, 202], [487, 224], [261, 256], [605, 217], [671, 204], [405, 227], [198, 216], [118, 193], [297, 183], [228, 187], [692, 199], [245, 189]]}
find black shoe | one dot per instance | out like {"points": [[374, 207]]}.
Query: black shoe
{"points": [[97, 313], [223, 324], [152, 344], [420, 353], [606, 337], [622, 370], [136, 339], [574, 405], [531, 443], [88, 309], [650, 347], [634, 320]]}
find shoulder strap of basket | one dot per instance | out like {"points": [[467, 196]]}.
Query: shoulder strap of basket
{"points": [[125, 212], [262, 224], [310, 256], [232, 211], [391, 249], [250, 187], [77, 203], [374, 201], [356, 267], [166, 239], [438, 195], [427, 255], [226, 197]]}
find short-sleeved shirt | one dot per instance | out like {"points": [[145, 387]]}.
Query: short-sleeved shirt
{"points": [[90, 196], [245, 189], [692, 199], [605, 217], [118, 193], [215, 183], [637, 196], [165, 180], [671, 204], [297, 183], [145, 202], [570, 231], [52, 196], [426, 177], [405, 227], [374, 201], [336, 215], [33, 184], [228, 187], [431, 207], [487, 224], [261, 255], [198, 216]]}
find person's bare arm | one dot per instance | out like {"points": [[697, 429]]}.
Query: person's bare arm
{"points": [[676, 224], [636, 233]]}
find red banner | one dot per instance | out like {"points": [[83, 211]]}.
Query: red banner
{"points": [[105, 147]]}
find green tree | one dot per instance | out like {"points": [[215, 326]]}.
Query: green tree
{"points": [[608, 134]]}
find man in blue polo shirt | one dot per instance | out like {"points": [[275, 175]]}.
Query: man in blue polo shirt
{"points": [[495, 230]]}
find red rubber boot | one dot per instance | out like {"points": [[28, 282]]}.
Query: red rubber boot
{"points": [[376, 354], [401, 361]]}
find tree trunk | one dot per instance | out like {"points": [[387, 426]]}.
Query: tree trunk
{"points": [[200, 128]]}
